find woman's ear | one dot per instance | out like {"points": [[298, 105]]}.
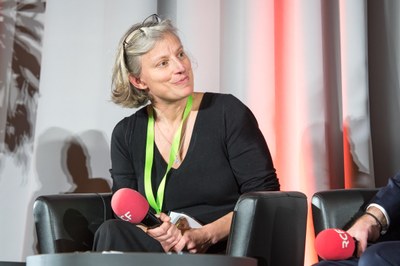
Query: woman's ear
{"points": [[137, 82]]}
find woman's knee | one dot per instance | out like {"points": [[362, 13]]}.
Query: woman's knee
{"points": [[113, 226]]}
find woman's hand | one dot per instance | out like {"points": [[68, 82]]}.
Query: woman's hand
{"points": [[198, 240], [167, 234]]}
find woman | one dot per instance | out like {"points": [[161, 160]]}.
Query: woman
{"points": [[189, 152]]}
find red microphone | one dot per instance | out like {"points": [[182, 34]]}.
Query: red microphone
{"points": [[131, 206], [334, 244]]}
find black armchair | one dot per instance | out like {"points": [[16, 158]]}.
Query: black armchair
{"points": [[67, 222], [266, 225], [271, 227], [338, 208]]}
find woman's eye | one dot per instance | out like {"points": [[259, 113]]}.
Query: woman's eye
{"points": [[181, 55], [162, 64]]}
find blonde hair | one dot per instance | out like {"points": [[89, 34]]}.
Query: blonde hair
{"points": [[137, 41]]}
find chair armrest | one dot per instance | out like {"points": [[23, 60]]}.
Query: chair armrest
{"points": [[67, 222], [269, 225], [337, 208]]}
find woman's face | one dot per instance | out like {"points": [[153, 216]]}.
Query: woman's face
{"points": [[167, 71]]}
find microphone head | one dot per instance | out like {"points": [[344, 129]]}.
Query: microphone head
{"points": [[334, 244], [129, 205]]}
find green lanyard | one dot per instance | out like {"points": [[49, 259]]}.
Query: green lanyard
{"points": [[157, 204]]}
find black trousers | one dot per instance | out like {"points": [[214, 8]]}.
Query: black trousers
{"points": [[118, 235]]}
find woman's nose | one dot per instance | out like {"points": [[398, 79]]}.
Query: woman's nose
{"points": [[178, 66]]}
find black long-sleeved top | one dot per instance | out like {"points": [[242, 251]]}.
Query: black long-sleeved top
{"points": [[227, 156]]}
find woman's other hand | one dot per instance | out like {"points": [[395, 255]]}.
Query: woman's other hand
{"points": [[167, 234]]}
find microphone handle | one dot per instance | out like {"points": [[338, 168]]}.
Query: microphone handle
{"points": [[151, 220]]}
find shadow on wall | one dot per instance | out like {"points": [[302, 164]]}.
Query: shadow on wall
{"points": [[70, 163], [77, 167], [66, 162]]}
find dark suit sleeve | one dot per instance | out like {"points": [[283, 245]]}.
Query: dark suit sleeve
{"points": [[389, 198]]}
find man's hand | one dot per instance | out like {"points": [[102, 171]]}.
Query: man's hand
{"points": [[366, 228]]}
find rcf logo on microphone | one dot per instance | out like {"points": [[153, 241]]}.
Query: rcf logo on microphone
{"points": [[344, 236], [126, 217], [334, 244]]}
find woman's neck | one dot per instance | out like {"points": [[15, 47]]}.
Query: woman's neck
{"points": [[171, 113]]}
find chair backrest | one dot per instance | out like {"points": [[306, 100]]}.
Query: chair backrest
{"points": [[67, 222], [337, 208], [271, 227]]}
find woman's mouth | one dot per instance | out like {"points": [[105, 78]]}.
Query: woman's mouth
{"points": [[181, 81]]}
